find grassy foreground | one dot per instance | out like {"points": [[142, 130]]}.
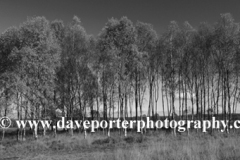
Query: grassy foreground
{"points": [[154, 145]]}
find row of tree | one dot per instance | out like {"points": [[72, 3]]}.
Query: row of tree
{"points": [[46, 66]]}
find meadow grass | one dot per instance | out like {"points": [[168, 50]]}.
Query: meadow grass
{"points": [[153, 145]]}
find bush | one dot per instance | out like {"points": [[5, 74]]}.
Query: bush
{"points": [[129, 139], [108, 140]]}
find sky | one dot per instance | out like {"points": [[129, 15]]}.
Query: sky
{"points": [[95, 13]]}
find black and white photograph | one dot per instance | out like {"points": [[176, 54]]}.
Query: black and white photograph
{"points": [[119, 79]]}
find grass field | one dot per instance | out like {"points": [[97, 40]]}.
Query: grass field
{"points": [[153, 145]]}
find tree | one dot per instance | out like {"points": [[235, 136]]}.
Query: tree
{"points": [[146, 43], [37, 59]]}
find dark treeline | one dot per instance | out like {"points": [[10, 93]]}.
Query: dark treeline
{"points": [[45, 66]]}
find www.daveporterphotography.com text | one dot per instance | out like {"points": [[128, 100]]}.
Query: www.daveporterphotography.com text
{"points": [[180, 125]]}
